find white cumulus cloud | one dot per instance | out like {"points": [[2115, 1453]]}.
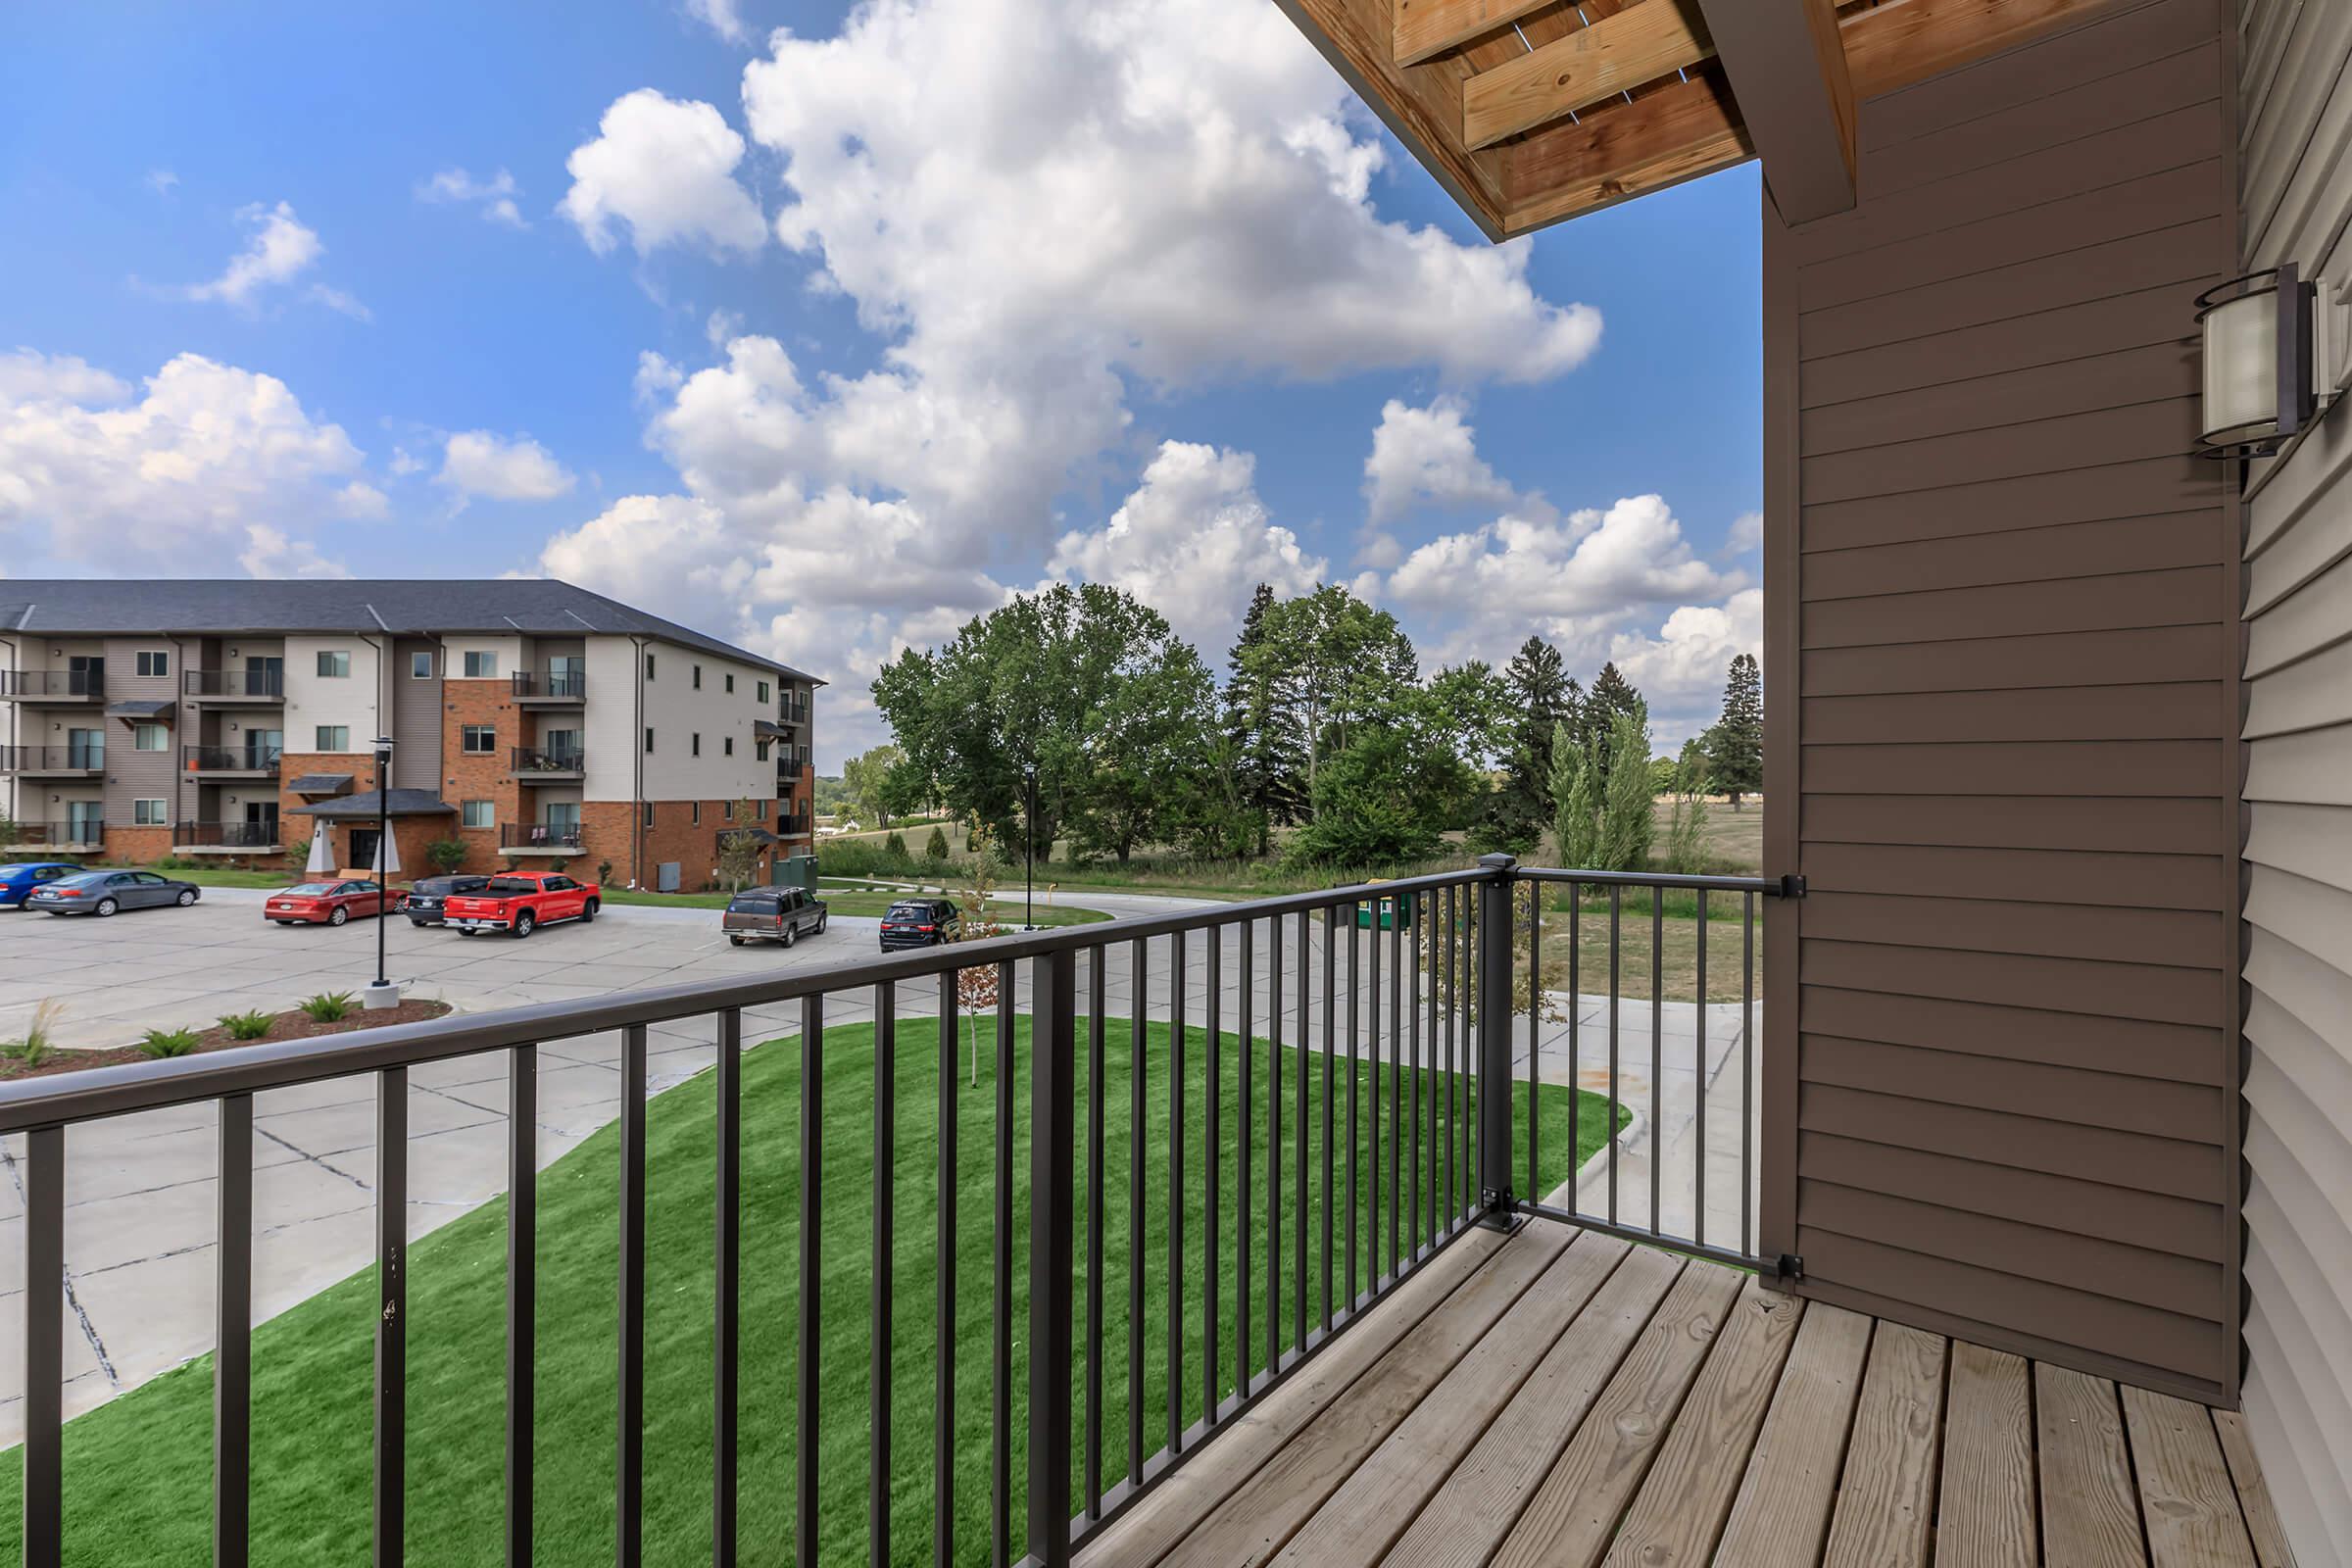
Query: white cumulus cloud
{"points": [[482, 462], [279, 249], [1427, 457], [495, 196], [720, 17], [664, 169]]}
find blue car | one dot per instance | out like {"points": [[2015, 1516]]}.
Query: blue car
{"points": [[17, 881]]}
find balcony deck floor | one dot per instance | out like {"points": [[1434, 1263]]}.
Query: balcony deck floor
{"points": [[1559, 1397]]}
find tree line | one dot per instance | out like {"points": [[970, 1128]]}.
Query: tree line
{"points": [[1078, 713]]}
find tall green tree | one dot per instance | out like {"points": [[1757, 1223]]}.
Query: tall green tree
{"points": [[1611, 698], [1470, 711], [1265, 746], [1735, 747], [1372, 795], [1541, 697], [1339, 665], [866, 778]]}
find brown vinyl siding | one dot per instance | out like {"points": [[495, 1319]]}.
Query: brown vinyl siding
{"points": [[415, 717], [2295, 192], [2008, 602], [134, 775]]}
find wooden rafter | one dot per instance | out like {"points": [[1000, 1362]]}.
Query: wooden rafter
{"points": [[1787, 65], [1675, 130], [1427, 29], [1638, 45]]}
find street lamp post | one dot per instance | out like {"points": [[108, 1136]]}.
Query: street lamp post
{"points": [[1029, 839], [383, 993]]}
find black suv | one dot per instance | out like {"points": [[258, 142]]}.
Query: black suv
{"points": [[919, 923], [423, 906]]}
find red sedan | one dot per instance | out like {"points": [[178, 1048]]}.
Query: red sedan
{"points": [[330, 903]]}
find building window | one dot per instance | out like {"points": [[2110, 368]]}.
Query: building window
{"points": [[335, 665], [482, 664], [478, 814], [760, 809], [698, 678], [155, 663], [150, 738], [730, 683], [649, 666], [333, 738], [695, 744], [421, 664], [477, 739], [730, 746], [649, 813], [147, 813], [759, 750], [649, 738], [696, 818], [763, 693], [726, 810]]}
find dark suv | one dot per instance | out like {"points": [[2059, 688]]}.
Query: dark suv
{"points": [[773, 914], [423, 906], [919, 923]]}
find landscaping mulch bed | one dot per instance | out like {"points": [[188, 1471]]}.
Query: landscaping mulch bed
{"points": [[292, 1024]]}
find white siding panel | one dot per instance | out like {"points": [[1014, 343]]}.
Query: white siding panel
{"points": [[2312, 693], [2312, 841], [2316, 616]]}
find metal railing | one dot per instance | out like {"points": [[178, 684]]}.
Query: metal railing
{"points": [[228, 835], [568, 685], [1341, 1190], [790, 761], [793, 709], [53, 759], [532, 760], [261, 684], [39, 683], [792, 824], [229, 758], [30, 834], [538, 835]]}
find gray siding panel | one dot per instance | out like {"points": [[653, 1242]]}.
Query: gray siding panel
{"points": [[133, 775], [2295, 195], [415, 719], [2017, 719]]}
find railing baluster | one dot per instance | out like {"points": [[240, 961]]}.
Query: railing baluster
{"points": [[1616, 909], [942, 1335], [1418, 919], [1000, 1412], [1492, 1011], [628, 1489], [813, 1124], [1450, 1189], [233, 1357], [1535, 1038], [522, 1295], [883, 1253], [1398, 1122], [1274, 1146], [1052, 1133], [1576, 1058], [1355, 980], [1330, 959], [1175, 1346], [44, 1346], [1657, 1053], [1698, 1218], [1214, 1153], [1748, 1068], [1243, 1323], [1096, 992], [1139, 973], [727, 1282], [392, 1313], [1372, 1232], [1299, 1187]]}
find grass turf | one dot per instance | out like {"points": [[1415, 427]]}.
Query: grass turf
{"points": [[137, 1471]]}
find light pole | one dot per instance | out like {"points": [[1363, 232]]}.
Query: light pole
{"points": [[383, 994], [1029, 839]]}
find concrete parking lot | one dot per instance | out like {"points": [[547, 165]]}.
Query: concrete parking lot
{"points": [[141, 1191]]}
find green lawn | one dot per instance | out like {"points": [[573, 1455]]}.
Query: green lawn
{"points": [[137, 1472]]}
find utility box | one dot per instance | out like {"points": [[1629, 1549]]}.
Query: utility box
{"points": [[794, 871], [666, 877]]}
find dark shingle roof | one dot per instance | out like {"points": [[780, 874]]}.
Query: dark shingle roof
{"points": [[403, 802], [540, 605]]}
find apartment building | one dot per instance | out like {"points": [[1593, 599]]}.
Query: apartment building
{"points": [[531, 722]]}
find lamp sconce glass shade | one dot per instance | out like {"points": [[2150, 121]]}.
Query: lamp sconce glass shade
{"points": [[2259, 355]]}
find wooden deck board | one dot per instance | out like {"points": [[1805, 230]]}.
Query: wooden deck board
{"points": [[1555, 1398]]}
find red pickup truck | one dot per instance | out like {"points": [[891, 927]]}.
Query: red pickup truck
{"points": [[518, 903]]}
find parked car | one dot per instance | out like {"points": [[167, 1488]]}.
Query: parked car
{"points": [[921, 923], [330, 903], [773, 914], [426, 896], [16, 881], [520, 902], [105, 892]]}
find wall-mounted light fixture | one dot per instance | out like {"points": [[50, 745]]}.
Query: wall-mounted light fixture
{"points": [[2270, 360]]}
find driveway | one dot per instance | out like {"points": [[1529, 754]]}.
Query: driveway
{"points": [[140, 1192]]}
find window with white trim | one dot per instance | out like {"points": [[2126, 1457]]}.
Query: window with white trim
{"points": [[150, 738], [481, 664], [335, 664], [478, 814], [148, 814]]}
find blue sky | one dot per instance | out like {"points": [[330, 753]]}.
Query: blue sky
{"points": [[823, 340]]}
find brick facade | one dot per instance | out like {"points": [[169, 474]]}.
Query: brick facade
{"points": [[609, 832], [136, 846], [482, 776]]}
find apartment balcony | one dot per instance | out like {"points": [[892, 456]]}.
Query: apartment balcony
{"points": [[540, 688], [53, 761], [230, 761], [539, 838], [53, 838], [791, 762], [793, 824], [234, 687], [68, 688], [225, 838], [533, 764]]}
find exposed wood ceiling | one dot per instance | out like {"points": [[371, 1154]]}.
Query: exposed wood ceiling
{"points": [[1534, 110]]}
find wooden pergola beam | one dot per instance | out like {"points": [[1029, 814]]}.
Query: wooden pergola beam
{"points": [[1638, 45], [1427, 29], [1675, 131], [1786, 64]]}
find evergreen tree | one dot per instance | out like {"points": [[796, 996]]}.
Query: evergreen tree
{"points": [[1542, 698], [1735, 745], [1611, 698], [1262, 728]]}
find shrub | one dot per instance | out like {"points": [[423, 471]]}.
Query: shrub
{"points": [[327, 1006], [895, 845], [168, 1041], [935, 848], [604, 872], [297, 856], [853, 857], [246, 1025], [447, 854]]}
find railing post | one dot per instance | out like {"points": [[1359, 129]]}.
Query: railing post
{"points": [[1053, 1175], [1494, 1043]]}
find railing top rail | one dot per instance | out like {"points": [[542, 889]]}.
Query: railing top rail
{"points": [[102, 1091], [1774, 886]]}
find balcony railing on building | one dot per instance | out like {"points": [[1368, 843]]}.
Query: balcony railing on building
{"points": [[538, 835], [529, 760], [235, 685], [551, 685], [1393, 1016], [792, 824], [791, 761], [34, 761], [794, 710], [82, 835], [53, 685], [229, 758], [262, 835]]}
